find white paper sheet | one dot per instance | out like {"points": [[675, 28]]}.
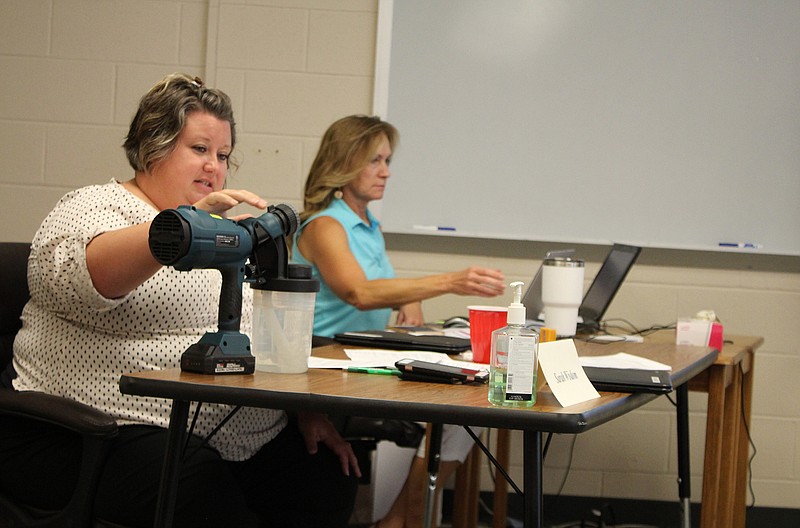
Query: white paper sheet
{"points": [[378, 357], [623, 360]]}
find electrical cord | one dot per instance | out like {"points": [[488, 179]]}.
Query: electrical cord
{"points": [[569, 465], [657, 328], [629, 327], [555, 498], [546, 446], [608, 330], [749, 440]]}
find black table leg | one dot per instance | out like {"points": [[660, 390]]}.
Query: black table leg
{"points": [[684, 470], [434, 453], [532, 477], [176, 439]]}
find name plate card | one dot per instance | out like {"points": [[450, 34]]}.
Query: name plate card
{"points": [[564, 373]]}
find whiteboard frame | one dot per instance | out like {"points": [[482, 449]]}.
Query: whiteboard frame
{"points": [[380, 108]]}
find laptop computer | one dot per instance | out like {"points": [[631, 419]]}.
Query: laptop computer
{"points": [[629, 380], [404, 341], [606, 284], [598, 297]]}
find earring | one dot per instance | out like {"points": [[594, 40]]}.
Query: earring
{"points": [[338, 194]]}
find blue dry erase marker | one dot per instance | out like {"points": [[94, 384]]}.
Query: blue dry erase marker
{"points": [[433, 228], [744, 245]]}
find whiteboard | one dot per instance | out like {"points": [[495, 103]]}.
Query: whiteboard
{"points": [[664, 124]]}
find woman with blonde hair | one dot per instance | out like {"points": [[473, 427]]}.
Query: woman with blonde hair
{"points": [[341, 240]]}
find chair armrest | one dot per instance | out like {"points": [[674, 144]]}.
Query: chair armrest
{"points": [[97, 430], [70, 414], [402, 432]]}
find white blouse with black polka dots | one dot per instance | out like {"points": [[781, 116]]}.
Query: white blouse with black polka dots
{"points": [[76, 343]]}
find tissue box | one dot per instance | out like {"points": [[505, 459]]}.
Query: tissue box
{"points": [[699, 332]]}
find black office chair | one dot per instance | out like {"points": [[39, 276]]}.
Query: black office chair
{"points": [[364, 433], [96, 428]]}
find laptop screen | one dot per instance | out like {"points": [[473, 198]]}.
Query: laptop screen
{"points": [[606, 283]]}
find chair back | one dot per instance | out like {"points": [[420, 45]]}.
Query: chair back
{"points": [[13, 294]]}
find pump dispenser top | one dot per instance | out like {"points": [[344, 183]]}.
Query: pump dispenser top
{"points": [[516, 310]]}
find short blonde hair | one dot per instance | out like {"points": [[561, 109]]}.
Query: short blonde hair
{"points": [[346, 148], [162, 114]]}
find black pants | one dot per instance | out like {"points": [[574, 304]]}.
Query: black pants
{"points": [[281, 486]]}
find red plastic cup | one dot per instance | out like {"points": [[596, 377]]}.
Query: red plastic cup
{"points": [[483, 320]]}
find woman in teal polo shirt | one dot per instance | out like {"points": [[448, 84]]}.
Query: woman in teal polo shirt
{"points": [[365, 243], [342, 242]]}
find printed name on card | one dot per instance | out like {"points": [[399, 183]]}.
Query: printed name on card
{"points": [[564, 373]]}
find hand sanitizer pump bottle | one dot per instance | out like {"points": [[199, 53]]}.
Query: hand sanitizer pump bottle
{"points": [[514, 361]]}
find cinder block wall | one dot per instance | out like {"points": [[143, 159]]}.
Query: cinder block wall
{"points": [[73, 70]]}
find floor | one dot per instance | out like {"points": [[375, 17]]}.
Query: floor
{"points": [[592, 512]]}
